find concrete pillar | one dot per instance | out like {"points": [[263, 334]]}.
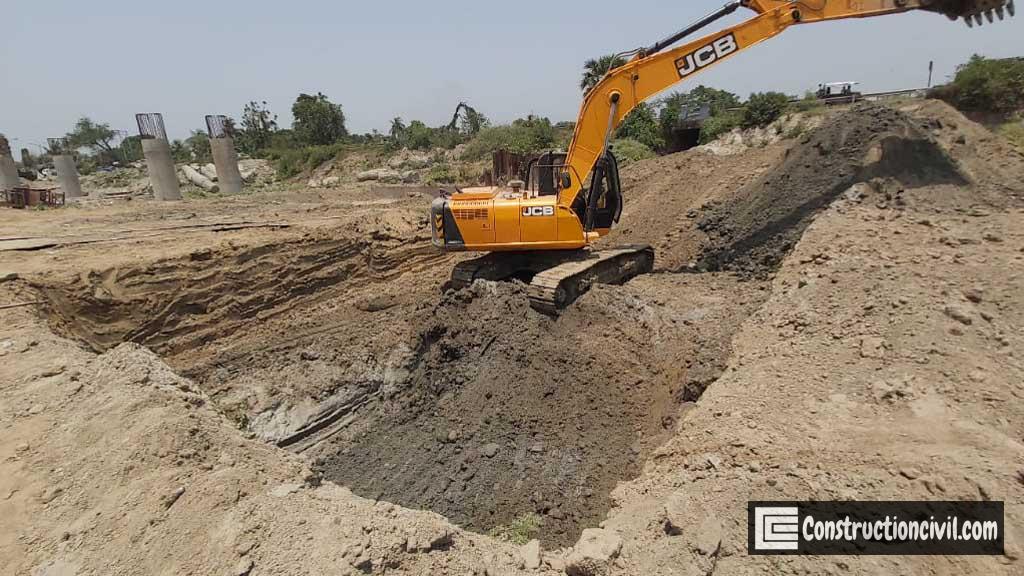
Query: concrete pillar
{"points": [[67, 176], [8, 170], [160, 166], [229, 179]]}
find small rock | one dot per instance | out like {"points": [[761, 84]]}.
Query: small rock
{"points": [[490, 450], [244, 566], [23, 447], [8, 276], [309, 355], [244, 546], [872, 347], [453, 436], [959, 313], [285, 490], [50, 494], [910, 473], [709, 536], [593, 553], [530, 553], [556, 513], [992, 237], [537, 448], [173, 497], [54, 371], [974, 294]]}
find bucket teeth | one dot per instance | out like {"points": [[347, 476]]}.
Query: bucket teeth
{"points": [[975, 11]]}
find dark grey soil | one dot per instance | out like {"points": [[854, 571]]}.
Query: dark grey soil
{"points": [[752, 231], [508, 412]]}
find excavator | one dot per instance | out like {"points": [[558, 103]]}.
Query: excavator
{"points": [[542, 228]]}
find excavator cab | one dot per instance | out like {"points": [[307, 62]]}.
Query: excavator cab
{"points": [[541, 174]]}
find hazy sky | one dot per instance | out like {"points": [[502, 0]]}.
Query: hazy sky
{"points": [[109, 59]]}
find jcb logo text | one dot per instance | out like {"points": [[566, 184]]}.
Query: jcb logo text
{"points": [[707, 55]]}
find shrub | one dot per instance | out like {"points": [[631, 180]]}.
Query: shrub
{"points": [[809, 104], [984, 85], [628, 151], [519, 531], [523, 137], [1014, 132], [293, 161], [763, 108], [717, 125], [440, 174]]}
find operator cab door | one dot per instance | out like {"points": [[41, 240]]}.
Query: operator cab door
{"points": [[537, 219], [538, 216]]}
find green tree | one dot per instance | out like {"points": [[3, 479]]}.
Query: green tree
{"points": [[131, 149], [180, 152], [318, 121], [986, 85], [97, 137], [198, 145], [258, 125], [471, 121], [675, 106], [594, 70], [418, 136], [763, 108], [642, 126]]}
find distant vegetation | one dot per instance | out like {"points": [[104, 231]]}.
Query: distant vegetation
{"points": [[993, 88], [985, 85], [319, 132]]}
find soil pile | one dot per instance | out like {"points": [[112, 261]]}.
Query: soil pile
{"points": [[751, 231]]}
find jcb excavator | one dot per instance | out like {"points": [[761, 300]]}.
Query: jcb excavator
{"points": [[540, 228]]}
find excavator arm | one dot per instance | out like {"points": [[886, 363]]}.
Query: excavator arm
{"points": [[657, 68]]}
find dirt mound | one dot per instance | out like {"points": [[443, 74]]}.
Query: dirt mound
{"points": [[664, 197], [506, 412], [754, 229]]}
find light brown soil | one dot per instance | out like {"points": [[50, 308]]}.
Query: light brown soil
{"points": [[833, 366]]}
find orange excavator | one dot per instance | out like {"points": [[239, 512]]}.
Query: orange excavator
{"points": [[541, 228]]}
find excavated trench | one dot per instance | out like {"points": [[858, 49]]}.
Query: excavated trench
{"points": [[469, 403]]}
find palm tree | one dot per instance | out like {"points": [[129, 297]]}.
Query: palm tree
{"points": [[595, 70]]}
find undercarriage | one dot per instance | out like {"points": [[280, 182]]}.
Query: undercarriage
{"points": [[557, 278]]}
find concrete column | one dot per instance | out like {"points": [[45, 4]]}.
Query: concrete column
{"points": [[160, 166], [229, 179], [67, 176], [8, 172]]}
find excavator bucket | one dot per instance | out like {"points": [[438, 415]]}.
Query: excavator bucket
{"points": [[973, 11]]}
